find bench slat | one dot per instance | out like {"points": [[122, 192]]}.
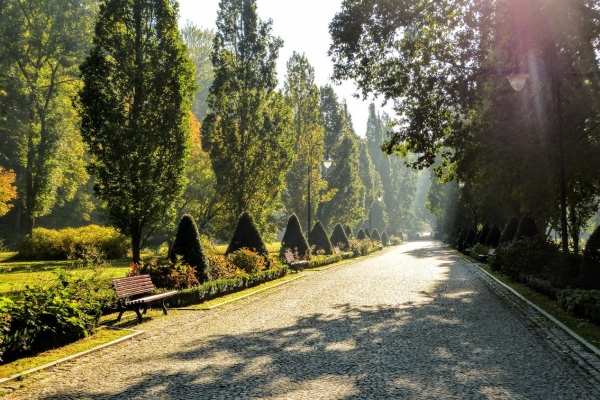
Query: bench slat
{"points": [[133, 285], [151, 298]]}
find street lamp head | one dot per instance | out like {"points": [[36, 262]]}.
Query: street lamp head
{"points": [[517, 79], [379, 195], [327, 161]]}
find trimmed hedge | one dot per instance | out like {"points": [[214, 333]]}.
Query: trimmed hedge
{"points": [[375, 235], [384, 239], [319, 238], [348, 232], [493, 238], [319, 261], [526, 229], [339, 238], [51, 244], [590, 266], [187, 246], [361, 235], [367, 233], [294, 240], [247, 236], [461, 240], [469, 239], [482, 235], [510, 230]]}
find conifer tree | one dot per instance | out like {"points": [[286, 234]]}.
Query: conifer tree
{"points": [[493, 238], [339, 238], [319, 238], [361, 235], [384, 239], [510, 230], [187, 246], [247, 236], [294, 240], [375, 235]]}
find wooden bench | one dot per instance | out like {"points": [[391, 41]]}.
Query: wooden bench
{"points": [[293, 264], [485, 257], [130, 295]]}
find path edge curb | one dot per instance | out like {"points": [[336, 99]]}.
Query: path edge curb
{"points": [[74, 356]]}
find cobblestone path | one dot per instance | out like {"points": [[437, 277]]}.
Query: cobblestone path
{"points": [[413, 322]]}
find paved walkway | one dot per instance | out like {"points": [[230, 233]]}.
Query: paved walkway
{"points": [[414, 322]]}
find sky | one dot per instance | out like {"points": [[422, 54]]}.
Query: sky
{"points": [[304, 27]]}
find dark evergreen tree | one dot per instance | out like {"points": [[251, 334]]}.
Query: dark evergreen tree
{"points": [[384, 239], [339, 238], [469, 239], [483, 234], [319, 238], [348, 231], [294, 240], [590, 268], [187, 245], [134, 105], [247, 236], [461, 240], [493, 238], [367, 233], [375, 235], [526, 229], [361, 235], [510, 230]]}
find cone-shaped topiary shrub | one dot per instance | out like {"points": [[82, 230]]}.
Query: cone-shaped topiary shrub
{"points": [[384, 239], [510, 230], [187, 246], [469, 239], [339, 238], [493, 238], [526, 229], [590, 268], [375, 235], [401, 236], [461, 240], [348, 232], [367, 233], [485, 231], [318, 238], [246, 236], [361, 235], [294, 240]]}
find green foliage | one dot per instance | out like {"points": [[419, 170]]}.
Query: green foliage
{"points": [[50, 244], [322, 260], [348, 232], [384, 239], [375, 235], [42, 42], [320, 240], [248, 129], [47, 317], [584, 303], [493, 238], [172, 276], [526, 229], [220, 267], [339, 238], [361, 235], [221, 287], [294, 240], [135, 109], [362, 247], [187, 246], [247, 236], [590, 268], [533, 255], [510, 230], [248, 261]]}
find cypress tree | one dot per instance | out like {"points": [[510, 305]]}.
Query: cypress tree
{"points": [[367, 233], [246, 236], [339, 238], [493, 238], [294, 240], [187, 245], [384, 239], [461, 240], [485, 231], [591, 261], [375, 235], [526, 229], [469, 239], [318, 238], [348, 232], [361, 235], [509, 230]]}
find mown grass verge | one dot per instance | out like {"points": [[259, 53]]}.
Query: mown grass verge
{"points": [[583, 327], [101, 336]]}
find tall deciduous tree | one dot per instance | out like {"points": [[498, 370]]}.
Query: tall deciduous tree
{"points": [[248, 130], [135, 107], [302, 94], [199, 42], [41, 44]]}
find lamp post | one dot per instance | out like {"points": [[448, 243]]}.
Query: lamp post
{"points": [[371, 208], [327, 161], [517, 80]]}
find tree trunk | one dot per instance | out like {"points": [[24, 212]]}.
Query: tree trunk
{"points": [[135, 245]]}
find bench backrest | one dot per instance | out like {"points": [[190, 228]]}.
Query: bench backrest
{"points": [[130, 286], [289, 257]]}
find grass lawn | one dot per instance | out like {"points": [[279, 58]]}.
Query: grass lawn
{"points": [[581, 326], [100, 337]]}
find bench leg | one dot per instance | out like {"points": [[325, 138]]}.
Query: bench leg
{"points": [[164, 308], [139, 315], [145, 309], [120, 315]]}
